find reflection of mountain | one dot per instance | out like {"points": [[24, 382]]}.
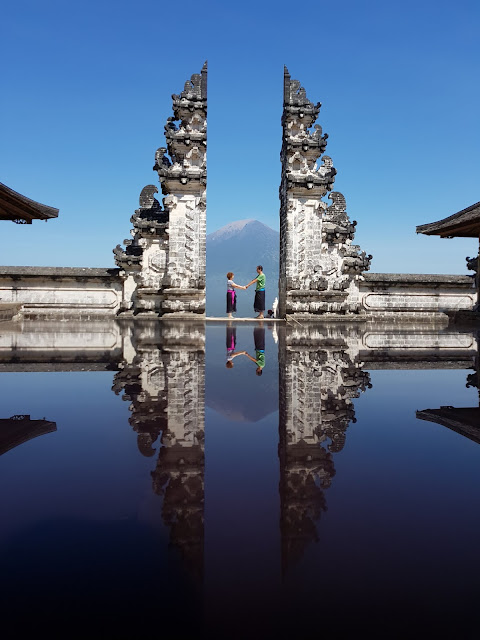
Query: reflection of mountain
{"points": [[253, 405], [239, 247], [256, 397]]}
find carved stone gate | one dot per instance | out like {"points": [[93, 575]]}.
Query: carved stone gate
{"points": [[319, 265], [164, 264]]}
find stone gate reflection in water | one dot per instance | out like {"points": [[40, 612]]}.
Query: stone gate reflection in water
{"points": [[319, 377], [163, 376], [161, 372]]}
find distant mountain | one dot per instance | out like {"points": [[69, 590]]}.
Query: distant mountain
{"points": [[239, 247]]}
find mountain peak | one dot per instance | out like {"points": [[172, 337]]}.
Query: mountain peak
{"points": [[233, 228]]}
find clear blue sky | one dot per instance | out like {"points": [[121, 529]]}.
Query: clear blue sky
{"points": [[87, 89]]}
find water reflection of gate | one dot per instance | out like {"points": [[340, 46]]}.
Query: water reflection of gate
{"points": [[161, 372], [163, 376], [319, 377]]}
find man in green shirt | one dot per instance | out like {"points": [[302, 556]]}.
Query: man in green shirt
{"points": [[259, 303], [259, 340]]}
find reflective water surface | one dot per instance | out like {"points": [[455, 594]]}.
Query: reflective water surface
{"points": [[241, 480]]}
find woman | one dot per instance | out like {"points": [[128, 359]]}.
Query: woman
{"points": [[231, 295]]}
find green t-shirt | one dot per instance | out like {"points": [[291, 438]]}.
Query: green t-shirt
{"points": [[260, 282], [260, 358]]}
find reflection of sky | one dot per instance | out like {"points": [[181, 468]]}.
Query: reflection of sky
{"points": [[238, 393], [60, 474], [401, 526]]}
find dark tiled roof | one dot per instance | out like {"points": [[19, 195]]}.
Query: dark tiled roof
{"points": [[463, 420], [19, 429], [14, 206], [465, 223]]}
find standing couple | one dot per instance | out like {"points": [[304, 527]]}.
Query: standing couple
{"points": [[259, 302]]}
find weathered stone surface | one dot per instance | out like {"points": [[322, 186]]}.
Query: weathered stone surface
{"points": [[164, 266], [61, 272], [409, 279], [320, 375], [162, 375], [384, 294], [61, 291], [319, 265]]}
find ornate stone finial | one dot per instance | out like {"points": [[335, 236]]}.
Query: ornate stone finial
{"points": [[295, 98], [194, 89], [472, 263], [338, 207], [147, 199]]}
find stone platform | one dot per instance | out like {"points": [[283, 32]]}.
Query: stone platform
{"points": [[10, 312]]}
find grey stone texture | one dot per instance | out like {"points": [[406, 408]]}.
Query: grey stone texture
{"points": [[162, 376], [61, 292], [319, 265], [164, 266]]}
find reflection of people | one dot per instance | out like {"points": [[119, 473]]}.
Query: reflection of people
{"points": [[231, 294], [231, 338], [259, 303], [259, 339]]}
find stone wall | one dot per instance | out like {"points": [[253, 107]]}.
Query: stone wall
{"points": [[396, 295], [65, 292], [62, 291]]}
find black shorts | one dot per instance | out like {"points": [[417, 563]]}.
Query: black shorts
{"points": [[259, 304]]}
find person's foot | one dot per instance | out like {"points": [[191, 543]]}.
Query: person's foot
{"points": [[260, 316], [229, 315]]}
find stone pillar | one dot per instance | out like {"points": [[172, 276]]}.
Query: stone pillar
{"points": [[183, 178], [319, 265], [164, 265], [319, 376]]}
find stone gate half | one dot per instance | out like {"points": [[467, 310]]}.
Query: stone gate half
{"points": [[164, 264], [319, 265]]}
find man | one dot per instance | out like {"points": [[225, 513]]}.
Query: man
{"points": [[259, 340], [259, 303]]}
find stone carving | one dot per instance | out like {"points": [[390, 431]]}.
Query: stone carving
{"points": [[164, 380], [472, 264], [139, 261], [320, 375], [319, 266], [164, 265]]}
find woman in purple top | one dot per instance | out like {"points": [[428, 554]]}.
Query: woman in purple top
{"points": [[231, 294]]}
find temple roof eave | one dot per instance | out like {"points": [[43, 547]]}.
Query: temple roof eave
{"points": [[15, 206], [464, 223]]}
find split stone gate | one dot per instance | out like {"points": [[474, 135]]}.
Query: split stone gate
{"points": [[161, 269], [164, 264]]}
